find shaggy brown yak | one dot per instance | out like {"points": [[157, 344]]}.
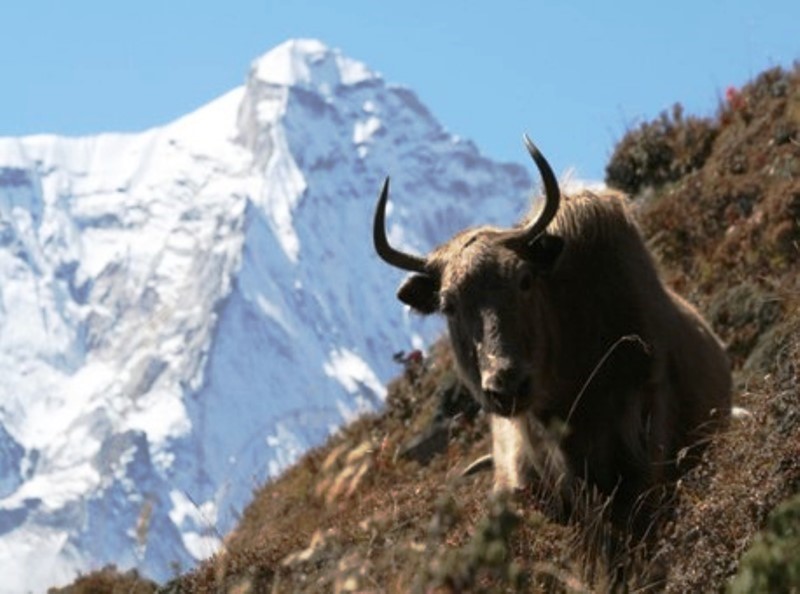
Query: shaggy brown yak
{"points": [[563, 322]]}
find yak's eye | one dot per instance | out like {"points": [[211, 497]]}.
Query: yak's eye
{"points": [[448, 305], [525, 280]]}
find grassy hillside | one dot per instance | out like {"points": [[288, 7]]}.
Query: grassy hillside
{"points": [[383, 506]]}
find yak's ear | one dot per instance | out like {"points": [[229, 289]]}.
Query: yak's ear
{"points": [[421, 292], [544, 252]]}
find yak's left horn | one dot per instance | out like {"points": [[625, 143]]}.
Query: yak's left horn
{"points": [[552, 195], [385, 251]]}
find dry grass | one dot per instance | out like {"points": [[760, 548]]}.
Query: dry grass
{"points": [[108, 581], [724, 221]]}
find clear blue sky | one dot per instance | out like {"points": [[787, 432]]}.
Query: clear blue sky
{"points": [[574, 74]]}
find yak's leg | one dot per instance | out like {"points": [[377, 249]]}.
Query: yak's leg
{"points": [[525, 454], [512, 452]]}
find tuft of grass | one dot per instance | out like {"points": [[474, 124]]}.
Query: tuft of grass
{"points": [[484, 563], [108, 581]]}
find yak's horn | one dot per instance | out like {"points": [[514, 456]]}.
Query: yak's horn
{"points": [[385, 251], [552, 195]]}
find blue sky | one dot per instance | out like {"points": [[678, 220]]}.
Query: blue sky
{"points": [[575, 75]]}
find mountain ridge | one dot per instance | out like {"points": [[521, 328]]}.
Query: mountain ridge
{"points": [[187, 309]]}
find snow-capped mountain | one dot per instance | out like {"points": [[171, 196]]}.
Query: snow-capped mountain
{"points": [[185, 310]]}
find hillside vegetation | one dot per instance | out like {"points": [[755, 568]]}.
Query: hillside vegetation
{"points": [[383, 506]]}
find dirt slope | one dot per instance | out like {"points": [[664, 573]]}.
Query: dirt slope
{"points": [[719, 201]]}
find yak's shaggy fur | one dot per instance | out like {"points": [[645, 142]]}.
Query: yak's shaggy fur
{"points": [[596, 374]]}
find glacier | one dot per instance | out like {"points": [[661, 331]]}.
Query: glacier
{"points": [[186, 310]]}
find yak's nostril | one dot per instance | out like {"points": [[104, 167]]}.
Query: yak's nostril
{"points": [[506, 392], [499, 381], [493, 385], [494, 398], [500, 403]]}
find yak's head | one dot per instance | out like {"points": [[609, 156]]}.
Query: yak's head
{"points": [[486, 281]]}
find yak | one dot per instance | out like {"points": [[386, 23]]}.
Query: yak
{"points": [[563, 322]]}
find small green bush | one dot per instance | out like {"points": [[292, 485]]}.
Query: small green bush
{"points": [[772, 564]]}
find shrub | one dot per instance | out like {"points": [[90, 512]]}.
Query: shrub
{"points": [[660, 151], [772, 564], [108, 581]]}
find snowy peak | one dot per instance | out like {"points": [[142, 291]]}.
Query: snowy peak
{"points": [[296, 67], [309, 63], [186, 310]]}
